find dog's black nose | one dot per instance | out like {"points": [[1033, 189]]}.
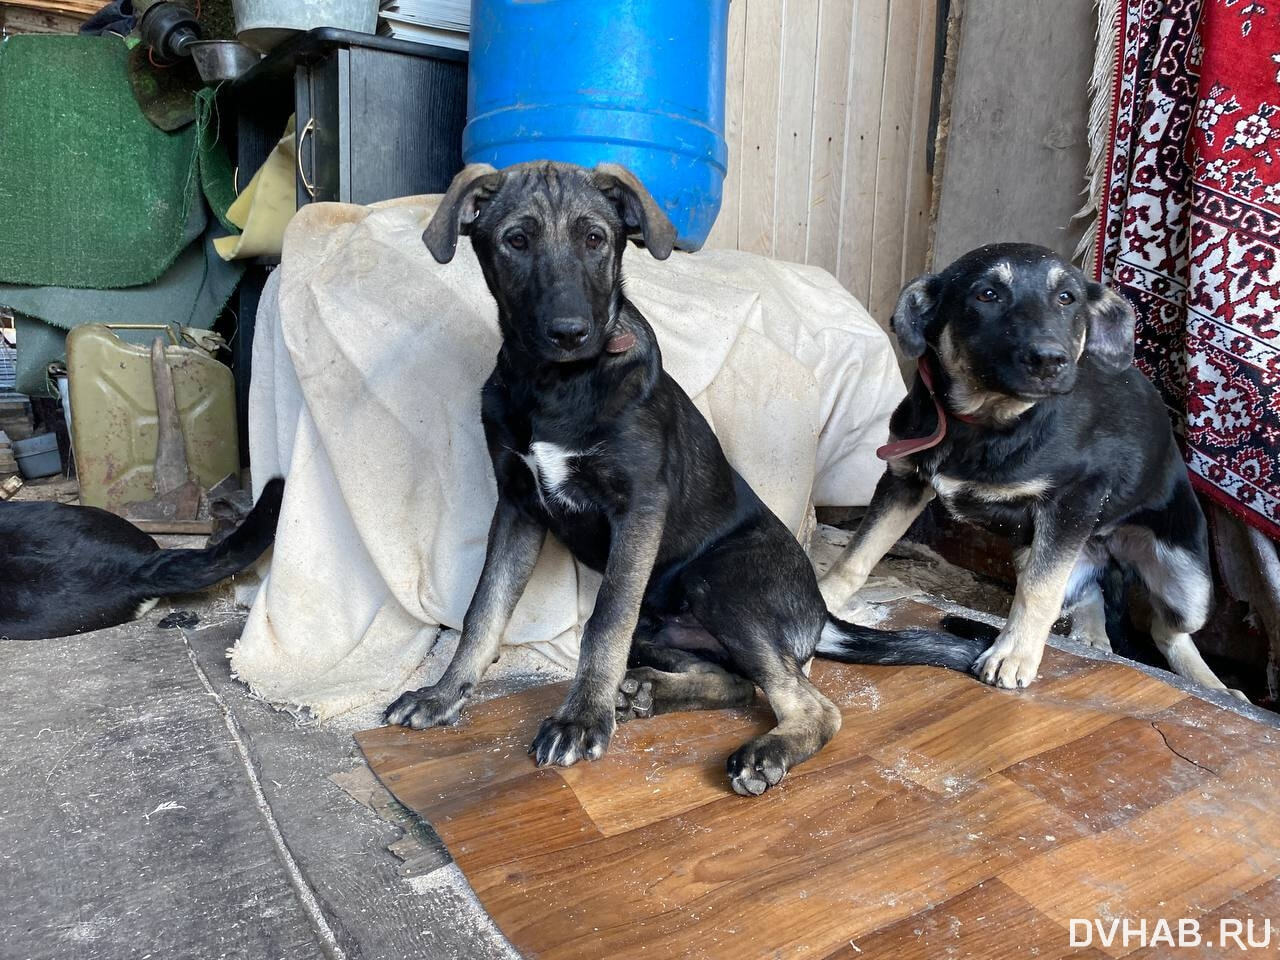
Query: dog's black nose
{"points": [[567, 333], [1044, 361]]}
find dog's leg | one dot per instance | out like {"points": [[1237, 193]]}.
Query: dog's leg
{"points": [[1089, 619], [670, 680], [1177, 578], [514, 542], [1045, 572], [806, 722], [898, 500], [756, 595], [1184, 658], [582, 727], [1012, 661]]}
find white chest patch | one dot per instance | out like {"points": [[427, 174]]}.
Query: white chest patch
{"points": [[949, 487], [551, 466]]}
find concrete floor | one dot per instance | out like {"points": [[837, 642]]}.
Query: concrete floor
{"points": [[149, 807]]}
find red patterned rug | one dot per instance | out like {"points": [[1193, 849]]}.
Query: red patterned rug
{"points": [[1189, 226]]}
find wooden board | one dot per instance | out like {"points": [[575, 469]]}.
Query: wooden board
{"points": [[913, 37], [830, 108], [946, 819], [81, 9], [724, 234], [15, 19], [1017, 148], [796, 110], [759, 168]]}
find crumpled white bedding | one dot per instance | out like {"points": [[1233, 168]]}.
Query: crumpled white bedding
{"points": [[367, 364]]}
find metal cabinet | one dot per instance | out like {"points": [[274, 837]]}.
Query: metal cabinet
{"points": [[374, 123], [377, 118]]}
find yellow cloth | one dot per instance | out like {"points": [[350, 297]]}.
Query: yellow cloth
{"points": [[265, 207]]}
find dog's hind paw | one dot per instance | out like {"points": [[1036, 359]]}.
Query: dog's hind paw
{"points": [[427, 707], [633, 699], [563, 742], [758, 765]]}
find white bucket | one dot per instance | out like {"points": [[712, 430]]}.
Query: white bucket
{"points": [[262, 24]]}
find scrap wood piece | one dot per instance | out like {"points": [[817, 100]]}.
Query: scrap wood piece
{"points": [[9, 486], [1101, 779], [83, 9]]}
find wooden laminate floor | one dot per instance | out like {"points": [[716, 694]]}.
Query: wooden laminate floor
{"points": [[947, 819]]}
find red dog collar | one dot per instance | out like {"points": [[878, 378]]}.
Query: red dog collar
{"points": [[897, 449], [620, 342]]}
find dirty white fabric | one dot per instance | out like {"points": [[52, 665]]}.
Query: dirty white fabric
{"points": [[368, 361]]}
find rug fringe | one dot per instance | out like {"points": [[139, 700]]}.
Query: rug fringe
{"points": [[1101, 110]]}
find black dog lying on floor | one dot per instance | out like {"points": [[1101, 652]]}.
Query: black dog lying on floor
{"points": [[592, 440], [1028, 418], [66, 569]]}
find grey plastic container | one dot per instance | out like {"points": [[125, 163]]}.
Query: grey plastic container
{"points": [[38, 456], [264, 24]]}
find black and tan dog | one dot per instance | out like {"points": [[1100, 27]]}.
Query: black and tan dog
{"points": [[1028, 417], [592, 440]]}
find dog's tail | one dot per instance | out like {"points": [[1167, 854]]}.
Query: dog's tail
{"points": [[167, 572], [955, 647]]}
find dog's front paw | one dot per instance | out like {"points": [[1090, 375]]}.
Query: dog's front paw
{"points": [[758, 765], [1009, 665], [563, 742], [428, 707]]}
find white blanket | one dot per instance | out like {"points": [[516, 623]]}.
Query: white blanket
{"points": [[367, 366]]}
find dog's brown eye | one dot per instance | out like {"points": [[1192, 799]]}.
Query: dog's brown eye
{"points": [[987, 295], [594, 239], [1066, 297], [517, 241]]}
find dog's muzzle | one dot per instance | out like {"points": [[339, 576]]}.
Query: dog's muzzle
{"points": [[1046, 367], [568, 333]]}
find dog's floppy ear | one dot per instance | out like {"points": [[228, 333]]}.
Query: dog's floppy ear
{"points": [[460, 206], [638, 210], [915, 308], [1111, 326]]}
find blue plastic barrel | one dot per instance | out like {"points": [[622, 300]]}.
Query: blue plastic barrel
{"points": [[635, 82]]}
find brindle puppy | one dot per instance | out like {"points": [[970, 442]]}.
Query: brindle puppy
{"points": [[592, 440], [1038, 427]]}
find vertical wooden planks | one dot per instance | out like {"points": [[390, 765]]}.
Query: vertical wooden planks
{"points": [[795, 128], [862, 141], [893, 157], [827, 119], [725, 232], [915, 230], [760, 125], [836, 20]]}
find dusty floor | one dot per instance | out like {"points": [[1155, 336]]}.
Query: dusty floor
{"points": [[150, 807]]}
